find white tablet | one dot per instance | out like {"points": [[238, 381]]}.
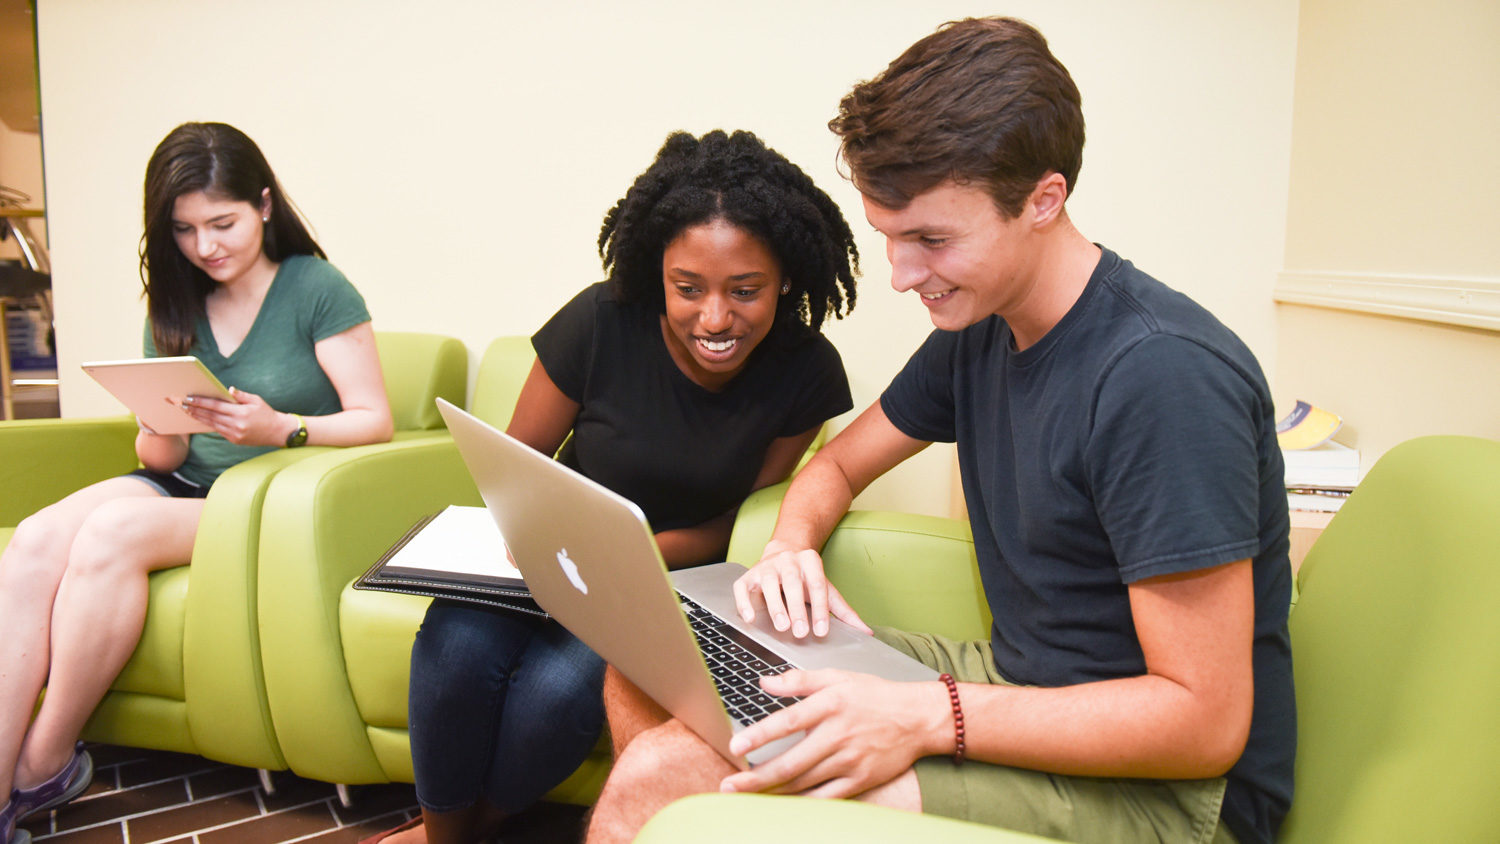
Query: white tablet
{"points": [[153, 389]]}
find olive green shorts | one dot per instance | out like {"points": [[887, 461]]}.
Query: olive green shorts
{"points": [[1069, 808]]}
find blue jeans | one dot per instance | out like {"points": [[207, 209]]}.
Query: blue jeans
{"points": [[502, 706]]}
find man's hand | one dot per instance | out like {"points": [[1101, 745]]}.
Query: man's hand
{"points": [[861, 732], [789, 581]]}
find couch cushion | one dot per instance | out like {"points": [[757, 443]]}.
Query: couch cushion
{"points": [[156, 666], [377, 630]]}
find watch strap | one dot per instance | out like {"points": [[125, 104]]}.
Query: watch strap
{"points": [[299, 436]]}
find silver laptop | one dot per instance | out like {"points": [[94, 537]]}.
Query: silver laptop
{"points": [[589, 559]]}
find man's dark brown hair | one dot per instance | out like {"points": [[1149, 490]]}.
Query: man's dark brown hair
{"points": [[982, 101]]}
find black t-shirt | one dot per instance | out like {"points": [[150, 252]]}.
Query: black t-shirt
{"points": [[683, 454], [1136, 439]]}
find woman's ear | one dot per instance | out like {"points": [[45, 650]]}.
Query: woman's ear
{"points": [[265, 204]]}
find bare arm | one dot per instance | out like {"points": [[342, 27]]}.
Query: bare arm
{"points": [[789, 579], [161, 452], [1188, 716], [707, 542], [350, 361], [544, 414]]}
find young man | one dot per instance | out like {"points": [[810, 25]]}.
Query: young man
{"points": [[1118, 453]]}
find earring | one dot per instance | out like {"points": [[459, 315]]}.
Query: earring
{"points": [[266, 219], [786, 287]]}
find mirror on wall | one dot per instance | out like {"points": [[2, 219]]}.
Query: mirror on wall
{"points": [[28, 354]]}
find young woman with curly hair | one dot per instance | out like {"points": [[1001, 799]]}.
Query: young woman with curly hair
{"points": [[692, 376]]}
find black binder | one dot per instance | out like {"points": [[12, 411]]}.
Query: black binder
{"points": [[388, 574]]}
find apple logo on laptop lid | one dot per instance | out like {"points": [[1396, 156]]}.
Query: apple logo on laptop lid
{"points": [[570, 569]]}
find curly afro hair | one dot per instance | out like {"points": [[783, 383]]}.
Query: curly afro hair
{"points": [[738, 179]]}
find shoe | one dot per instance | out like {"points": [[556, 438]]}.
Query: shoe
{"points": [[71, 781], [9, 834], [381, 836]]}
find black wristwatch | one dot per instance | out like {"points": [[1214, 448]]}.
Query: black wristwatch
{"points": [[299, 436]]}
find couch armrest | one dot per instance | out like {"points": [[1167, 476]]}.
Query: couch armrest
{"points": [[419, 368], [324, 522], [909, 571], [754, 522], [225, 693], [749, 818], [43, 460]]}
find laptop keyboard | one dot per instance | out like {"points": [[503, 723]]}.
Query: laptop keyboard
{"points": [[737, 662]]}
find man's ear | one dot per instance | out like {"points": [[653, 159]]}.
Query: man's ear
{"points": [[1047, 198]]}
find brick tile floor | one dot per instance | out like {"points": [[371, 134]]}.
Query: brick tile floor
{"points": [[141, 796]]}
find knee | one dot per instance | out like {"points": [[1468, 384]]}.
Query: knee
{"points": [[108, 541], [666, 752], [36, 555], [455, 641], [453, 660]]}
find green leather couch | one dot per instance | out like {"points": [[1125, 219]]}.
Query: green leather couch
{"points": [[194, 683], [1396, 641]]}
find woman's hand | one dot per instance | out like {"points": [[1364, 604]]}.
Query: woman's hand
{"points": [[247, 420]]}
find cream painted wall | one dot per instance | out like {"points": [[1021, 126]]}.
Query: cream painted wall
{"points": [[1394, 171], [456, 158]]}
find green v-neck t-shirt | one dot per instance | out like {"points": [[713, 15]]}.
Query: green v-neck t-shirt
{"points": [[309, 300]]}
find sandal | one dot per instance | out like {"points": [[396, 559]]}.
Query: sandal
{"points": [[402, 827], [71, 781], [9, 834]]}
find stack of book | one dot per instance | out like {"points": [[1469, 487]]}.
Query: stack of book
{"points": [[1320, 478]]}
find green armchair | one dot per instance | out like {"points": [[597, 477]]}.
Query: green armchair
{"points": [[1397, 672], [194, 682], [337, 659]]}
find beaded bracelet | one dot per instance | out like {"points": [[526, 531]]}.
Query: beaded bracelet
{"points": [[958, 719]]}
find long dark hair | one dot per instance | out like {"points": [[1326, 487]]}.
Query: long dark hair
{"points": [[738, 179], [221, 161]]}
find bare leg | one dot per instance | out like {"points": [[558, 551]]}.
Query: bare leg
{"points": [[662, 764], [31, 567], [630, 711], [900, 793], [98, 615], [668, 762]]}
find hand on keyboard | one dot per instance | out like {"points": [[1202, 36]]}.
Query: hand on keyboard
{"points": [[795, 592], [861, 731]]}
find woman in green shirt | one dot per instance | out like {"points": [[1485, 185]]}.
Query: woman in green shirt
{"points": [[233, 277]]}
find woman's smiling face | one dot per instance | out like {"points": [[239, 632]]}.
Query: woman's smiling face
{"points": [[722, 285]]}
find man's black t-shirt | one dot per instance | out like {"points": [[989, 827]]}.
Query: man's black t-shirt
{"points": [[1136, 439], [683, 454]]}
